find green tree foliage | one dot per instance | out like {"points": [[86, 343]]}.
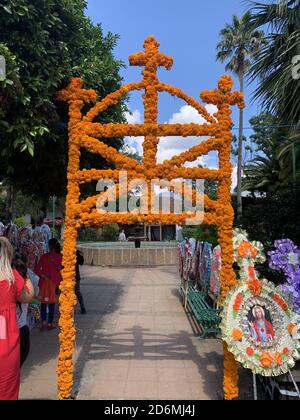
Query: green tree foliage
{"points": [[110, 232], [278, 91], [271, 168], [45, 42], [238, 46], [273, 217], [203, 233]]}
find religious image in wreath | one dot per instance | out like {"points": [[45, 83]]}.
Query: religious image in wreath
{"points": [[260, 328]]}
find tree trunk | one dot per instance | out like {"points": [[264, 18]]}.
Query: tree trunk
{"points": [[240, 157]]}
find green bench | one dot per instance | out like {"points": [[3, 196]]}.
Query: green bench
{"points": [[208, 318]]}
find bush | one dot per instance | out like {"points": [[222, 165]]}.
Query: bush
{"points": [[110, 232], [275, 216], [87, 235], [20, 221], [203, 233]]}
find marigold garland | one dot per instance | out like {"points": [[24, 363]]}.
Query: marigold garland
{"points": [[84, 133]]}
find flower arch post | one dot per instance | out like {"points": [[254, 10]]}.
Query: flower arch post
{"points": [[85, 133]]}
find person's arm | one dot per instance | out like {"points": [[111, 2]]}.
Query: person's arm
{"points": [[27, 293]]}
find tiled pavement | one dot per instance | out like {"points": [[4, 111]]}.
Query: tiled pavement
{"points": [[136, 342]]}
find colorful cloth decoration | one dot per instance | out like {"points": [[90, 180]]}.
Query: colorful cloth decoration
{"points": [[180, 249], [195, 262], [25, 235], [205, 265], [215, 286], [188, 259], [31, 253], [12, 234]]}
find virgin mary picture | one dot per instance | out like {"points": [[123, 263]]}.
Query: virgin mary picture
{"points": [[261, 327]]}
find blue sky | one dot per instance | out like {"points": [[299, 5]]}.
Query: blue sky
{"points": [[187, 30]]}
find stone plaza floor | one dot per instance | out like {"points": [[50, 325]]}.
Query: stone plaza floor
{"points": [[136, 342]]}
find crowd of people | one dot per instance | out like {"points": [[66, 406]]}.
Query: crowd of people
{"points": [[30, 270]]}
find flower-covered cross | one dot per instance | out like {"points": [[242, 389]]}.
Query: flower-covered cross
{"points": [[247, 254]]}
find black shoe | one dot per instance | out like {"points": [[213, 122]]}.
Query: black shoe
{"points": [[83, 311]]}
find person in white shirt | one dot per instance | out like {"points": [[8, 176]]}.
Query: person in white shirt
{"points": [[122, 236], [179, 235]]}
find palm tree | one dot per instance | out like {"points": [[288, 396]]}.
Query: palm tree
{"points": [[278, 90], [239, 44], [271, 170]]}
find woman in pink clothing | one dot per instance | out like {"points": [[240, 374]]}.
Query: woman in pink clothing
{"points": [[13, 288], [49, 271]]}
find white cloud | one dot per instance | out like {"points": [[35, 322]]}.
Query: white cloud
{"points": [[234, 179], [134, 118], [172, 146], [187, 114], [135, 144]]}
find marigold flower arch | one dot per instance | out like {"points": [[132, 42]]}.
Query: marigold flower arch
{"points": [[84, 133]]}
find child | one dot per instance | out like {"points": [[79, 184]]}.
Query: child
{"points": [[49, 271]]}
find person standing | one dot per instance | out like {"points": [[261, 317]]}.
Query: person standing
{"points": [[22, 309], [2, 228], [13, 288], [46, 236], [49, 271], [122, 236], [79, 262]]}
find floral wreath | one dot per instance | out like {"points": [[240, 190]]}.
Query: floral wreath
{"points": [[286, 258], [258, 326]]}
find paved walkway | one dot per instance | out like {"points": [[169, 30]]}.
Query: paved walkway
{"points": [[136, 342]]}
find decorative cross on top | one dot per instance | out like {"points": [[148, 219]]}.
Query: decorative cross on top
{"points": [[75, 92], [151, 59], [247, 254]]}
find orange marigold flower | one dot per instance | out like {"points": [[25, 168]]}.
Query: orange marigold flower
{"points": [[266, 360], [250, 351], [246, 249], [237, 335], [280, 302], [278, 359], [238, 302], [255, 286], [291, 328]]}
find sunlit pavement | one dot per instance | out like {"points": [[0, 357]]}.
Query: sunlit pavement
{"points": [[136, 342]]}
